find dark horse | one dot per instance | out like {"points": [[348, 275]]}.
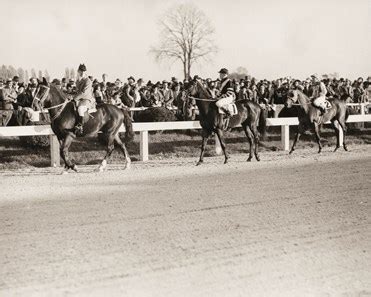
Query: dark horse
{"points": [[310, 118], [250, 114], [107, 119]]}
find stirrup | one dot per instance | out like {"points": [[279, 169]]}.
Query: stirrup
{"points": [[79, 129]]}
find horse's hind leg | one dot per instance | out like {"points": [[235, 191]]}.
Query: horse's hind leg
{"points": [[250, 137], [318, 138], [337, 135], [123, 149], [109, 150], [256, 140], [344, 127], [219, 132], [205, 138]]}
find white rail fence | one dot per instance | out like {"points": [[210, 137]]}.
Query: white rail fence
{"points": [[144, 128]]}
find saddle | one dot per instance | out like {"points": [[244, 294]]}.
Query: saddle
{"points": [[230, 109]]}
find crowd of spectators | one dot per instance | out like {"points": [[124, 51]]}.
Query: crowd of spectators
{"points": [[138, 93]]}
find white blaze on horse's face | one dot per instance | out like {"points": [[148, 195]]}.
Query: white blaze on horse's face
{"points": [[292, 98]]}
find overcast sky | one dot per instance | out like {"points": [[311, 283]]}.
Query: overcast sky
{"points": [[270, 38]]}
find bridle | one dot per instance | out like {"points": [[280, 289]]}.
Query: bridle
{"points": [[196, 98], [62, 105]]}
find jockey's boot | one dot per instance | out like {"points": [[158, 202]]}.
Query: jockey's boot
{"points": [[79, 128], [323, 110], [221, 119]]}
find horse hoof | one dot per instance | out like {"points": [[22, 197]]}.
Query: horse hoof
{"points": [[74, 168], [336, 149], [291, 152], [249, 159], [257, 158], [345, 148], [199, 163]]}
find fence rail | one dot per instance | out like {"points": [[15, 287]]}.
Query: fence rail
{"points": [[144, 128]]}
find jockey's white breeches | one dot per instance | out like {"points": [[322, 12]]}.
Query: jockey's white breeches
{"points": [[320, 101], [225, 101], [83, 106]]}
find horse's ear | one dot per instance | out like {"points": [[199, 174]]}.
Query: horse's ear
{"points": [[45, 82]]}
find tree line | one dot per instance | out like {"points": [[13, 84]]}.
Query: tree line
{"points": [[8, 72]]}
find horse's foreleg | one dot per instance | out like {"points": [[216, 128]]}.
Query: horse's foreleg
{"points": [[124, 150], [297, 136], [318, 138], [65, 145], [219, 132], [205, 138]]}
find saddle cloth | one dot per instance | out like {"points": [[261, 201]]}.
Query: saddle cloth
{"points": [[92, 110], [232, 109], [328, 104]]}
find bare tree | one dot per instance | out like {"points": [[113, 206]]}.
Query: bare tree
{"points": [[186, 35]]}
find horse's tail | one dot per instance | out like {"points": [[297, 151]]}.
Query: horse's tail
{"points": [[129, 133], [262, 128]]}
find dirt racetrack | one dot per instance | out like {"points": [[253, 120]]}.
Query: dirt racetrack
{"points": [[287, 226]]}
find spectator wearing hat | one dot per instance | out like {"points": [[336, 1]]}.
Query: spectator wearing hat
{"points": [[263, 94], [104, 79], [166, 95], [156, 96], [8, 96], [15, 83], [358, 91], [128, 94]]}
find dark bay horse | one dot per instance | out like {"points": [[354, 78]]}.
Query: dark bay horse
{"points": [[107, 119], [310, 118], [249, 116]]}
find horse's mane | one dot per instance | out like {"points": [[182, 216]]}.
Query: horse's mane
{"points": [[206, 93], [301, 93], [58, 92]]}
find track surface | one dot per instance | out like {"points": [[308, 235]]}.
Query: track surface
{"points": [[287, 226]]}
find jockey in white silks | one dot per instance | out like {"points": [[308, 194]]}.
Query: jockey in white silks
{"points": [[319, 93], [84, 97], [227, 95]]}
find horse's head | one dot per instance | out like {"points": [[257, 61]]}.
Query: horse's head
{"points": [[292, 98], [42, 92]]}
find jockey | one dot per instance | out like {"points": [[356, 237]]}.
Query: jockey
{"points": [[319, 92], [84, 96], [227, 95]]}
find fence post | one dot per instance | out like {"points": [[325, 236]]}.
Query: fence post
{"points": [[218, 148], [55, 160], [285, 137], [144, 145]]}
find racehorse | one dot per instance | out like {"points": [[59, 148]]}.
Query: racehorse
{"points": [[107, 119], [249, 115], [310, 118]]}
